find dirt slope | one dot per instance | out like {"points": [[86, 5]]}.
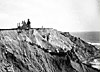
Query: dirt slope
{"points": [[44, 50]]}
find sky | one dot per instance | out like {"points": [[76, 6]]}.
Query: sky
{"points": [[63, 15]]}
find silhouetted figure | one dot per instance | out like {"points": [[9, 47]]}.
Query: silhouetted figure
{"points": [[28, 23], [24, 22], [18, 25], [24, 26], [19, 28]]}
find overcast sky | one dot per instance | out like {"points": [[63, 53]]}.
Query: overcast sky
{"points": [[63, 15]]}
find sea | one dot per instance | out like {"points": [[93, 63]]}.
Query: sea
{"points": [[91, 38]]}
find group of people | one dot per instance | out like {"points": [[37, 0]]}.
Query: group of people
{"points": [[25, 25]]}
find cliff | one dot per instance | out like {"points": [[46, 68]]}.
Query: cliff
{"points": [[45, 50]]}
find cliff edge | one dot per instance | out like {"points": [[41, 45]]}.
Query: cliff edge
{"points": [[45, 50]]}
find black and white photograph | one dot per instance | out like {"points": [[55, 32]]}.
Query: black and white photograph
{"points": [[49, 35]]}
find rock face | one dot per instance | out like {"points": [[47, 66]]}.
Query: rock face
{"points": [[45, 50]]}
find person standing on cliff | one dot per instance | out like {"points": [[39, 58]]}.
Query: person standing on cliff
{"points": [[28, 23]]}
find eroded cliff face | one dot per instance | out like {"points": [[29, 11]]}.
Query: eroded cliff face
{"points": [[44, 50]]}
